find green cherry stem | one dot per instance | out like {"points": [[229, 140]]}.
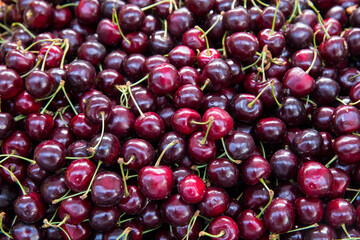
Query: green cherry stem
{"points": [[271, 194], [66, 49], [227, 154], [93, 149], [303, 228], [206, 39], [118, 25], [203, 233], [121, 163], [154, 5], [313, 61], [39, 60], [132, 97], [274, 18], [66, 5], [331, 161], [62, 83], [250, 105], [15, 179], [173, 143], [46, 55], [211, 120], [2, 214], [92, 180], [23, 27], [191, 225], [125, 233]]}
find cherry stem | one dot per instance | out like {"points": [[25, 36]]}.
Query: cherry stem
{"points": [[140, 81], [150, 230], [39, 59], [125, 233], [345, 230], [254, 63], [15, 179], [262, 149], [293, 14], [199, 123], [352, 190], [2, 214], [227, 154], [132, 97], [165, 30], [62, 82], [206, 40], [314, 39], [67, 235], [174, 142], [63, 221], [126, 220], [341, 101], [123, 98], [223, 43], [68, 99], [25, 28], [118, 25], [45, 56], [313, 61], [356, 195], [93, 149], [203, 233], [354, 76], [354, 103], [262, 3], [67, 46], [303, 228], [274, 18], [19, 118], [41, 40], [92, 180], [211, 120], [5, 27], [121, 163], [250, 105], [331, 161], [7, 156], [274, 95], [271, 194], [207, 81], [154, 5], [259, 9], [233, 4], [239, 197], [214, 24], [321, 21], [66, 5], [191, 225]]}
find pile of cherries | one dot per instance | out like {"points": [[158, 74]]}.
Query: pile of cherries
{"points": [[179, 119]]}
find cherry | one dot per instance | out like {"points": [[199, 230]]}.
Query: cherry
{"points": [[38, 15], [22, 230], [346, 148], [11, 84], [243, 46], [179, 21], [239, 145], [30, 208], [274, 40], [53, 187], [97, 108], [309, 210], [103, 218], [249, 225], [307, 143], [183, 120], [348, 114], [106, 148], [176, 212], [299, 35], [164, 79], [222, 123], [214, 202], [236, 19], [326, 91], [223, 228], [79, 173], [161, 43], [191, 189], [107, 189], [26, 104], [74, 209], [92, 51], [137, 153], [284, 164], [188, 96], [299, 83], [149, 126], [314, 179], [131, 17], [17, 143], [193, 39], [292, 112], [21, 62], [80, 75], [332, 26], [62, 18], [333, 50], [181, 56], [81, 231], [219, 74], [176, 153], [150, 217], [269, 15], [151, 24], [39, 126], [114, 60], [144, 98], [254, 169], [270, 130], [134, 202], [151, 62], [82, 127], [88, 11], [304, 59], [222, 172], [340, 183], [243, 111], [199, 150], [339, 212], [279, 216]]}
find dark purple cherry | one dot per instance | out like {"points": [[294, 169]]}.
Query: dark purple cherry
{"points": [[53, 187], [80, 75], [103, 218], [214, 202], [108, 150], [131, 17], [338, 212], [279, 216], [243, 46], [177, 152], [254, 169], [284, 164], [182, 56], [161, 43], [153, 61], [76, 208], [26, 104], [120, 122], [114, 60], [345, 119], [292, 112], [175, 211], [38, 15], [92, 52], [134, 202], [79, 173], [340, 183], [11, 84], [222, 172], [180, 20], [243, 111], [309, 210], [164, 79], [249, 225], [236, 19], [21, 62], [137, 153], [39, 126], [265, 19], [188, 96], [25, 231], [299, 35], [50, 155], [239, 145], [298, 82], [307, 143], [346, 147], [30, 208], [88, 12], [150, 217], [270, 130], [107, 189], [333, 50]]}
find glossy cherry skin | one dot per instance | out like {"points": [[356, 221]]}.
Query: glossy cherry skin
{"points": [[131, 17], [314, 179], [144, 98], [222, 123], [26, 104], [253, 169], [284, 164], [299, 35], [30, 208], [239, 145], [133, 203], [177, 152], [218, 72], [63, 135], [345, 114], [140, 150], [214, 202], [299, 83], [153, 61], [346, 147], [149, 126], [188, 96], [309, 210], [179, 21], [77, 209], [236, 19], [80, 75], [270, 130], [304, 58], [96, 106], [11, 84], [115, 233], [38, 126], [103, 218], [181, 232], [7, 125], [192, 38], [108, 150], [50, 155], [182, 56], [339, 211], [225, 224], [82, 127], [108, 33], [92, 51], [39, 84], [176, 212], [155, 182], [150, 217], [340, 183], [54, 56], [243, 46], [222, 172], [164, 79], [279, 216], [333, 50], [159, 43], [181, 121], [332, 26], [107, 189], [150, 24], [275, 41], [19, 61], [88, 11], [241, 110], [114, 60], [38, 15], [36, 174], [292, 112], [25, 231], [81, 231], [198, 152], [53, 187], [249, 225], [191, 189], [307, 143], [326, 90], [265, 19], [79, 173]]}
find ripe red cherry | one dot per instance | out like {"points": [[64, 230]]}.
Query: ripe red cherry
{"points": [[345, 119], [224, 227], [222, 123], [254, 169], [191, 189], [299, 83], [243, 46], [339, 211], [79, 174], [214, 203], [346, 147], [249, 225], [78, 209], [314, 179], [38, 15], [164, 79], [309, 210], [279, 216]]}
